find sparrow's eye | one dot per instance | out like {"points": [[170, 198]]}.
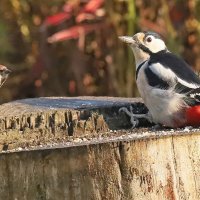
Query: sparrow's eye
{"points": [[149, 39]]}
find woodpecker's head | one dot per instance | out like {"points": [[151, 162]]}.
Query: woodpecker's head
{"points": [[4, 72], [144, 44]]}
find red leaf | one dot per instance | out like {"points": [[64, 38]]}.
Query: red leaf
{"points": [[92, 6], [74, 32], [84, 16], [178, 14], [89, 10], [57, 18], [69, 7], [72, 87]]}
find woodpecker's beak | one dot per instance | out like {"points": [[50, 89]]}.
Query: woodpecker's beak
{"points": [[8, 71], [127, 39], [135, 40]]}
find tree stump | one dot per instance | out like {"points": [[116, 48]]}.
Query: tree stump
{"points": [[78, 148]]}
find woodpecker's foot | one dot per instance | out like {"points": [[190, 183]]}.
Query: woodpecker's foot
{"points": [[134, 121], [157, 127], [134, 118]]}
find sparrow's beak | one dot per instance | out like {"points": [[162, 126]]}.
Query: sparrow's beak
{"points": [[8, 71], [127, 39], [4, 73]]}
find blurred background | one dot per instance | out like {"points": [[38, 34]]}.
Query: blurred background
{"points": [[70, 48]]}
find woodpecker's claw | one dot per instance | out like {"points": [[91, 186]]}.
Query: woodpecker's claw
{"points": [[134, 118], [134, 121]]}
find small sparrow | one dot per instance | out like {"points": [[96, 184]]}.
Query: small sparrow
{"points": [[4, 72]]}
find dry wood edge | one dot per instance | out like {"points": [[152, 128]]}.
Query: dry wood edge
{"points": [[118, 137], [60, 122]]}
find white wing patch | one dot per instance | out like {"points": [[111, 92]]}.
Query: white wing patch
{"points": [[169, 76], [190, 85]]}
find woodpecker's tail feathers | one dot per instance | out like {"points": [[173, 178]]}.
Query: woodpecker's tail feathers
{"points": [[194, 93], [182, 89], [193, 97]]}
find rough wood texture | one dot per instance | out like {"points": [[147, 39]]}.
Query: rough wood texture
{"points": [[156, 169], [33, 122], [64, 113], [128, 165]]}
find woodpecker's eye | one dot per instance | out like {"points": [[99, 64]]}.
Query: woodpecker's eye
{"points": [[149, 39]]}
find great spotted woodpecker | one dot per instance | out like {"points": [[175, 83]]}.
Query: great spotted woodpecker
{"points": [[167, 84]]}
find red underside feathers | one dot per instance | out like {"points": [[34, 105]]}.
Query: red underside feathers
{"points": [[193, 116]]}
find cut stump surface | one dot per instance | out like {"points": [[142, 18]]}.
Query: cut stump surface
{"points": [[78, 149]]}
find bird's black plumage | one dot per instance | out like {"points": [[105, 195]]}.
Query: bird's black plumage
{"points": [[155, 35], [138, 69], [182, 70], [176, 64], [154, 80], [184, 75], [181, 89], [193, 97]]}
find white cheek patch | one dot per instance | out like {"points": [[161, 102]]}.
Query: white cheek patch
{"points": [[155, 45]]}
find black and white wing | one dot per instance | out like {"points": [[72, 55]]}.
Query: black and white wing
{"points": [[166, 70]]}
